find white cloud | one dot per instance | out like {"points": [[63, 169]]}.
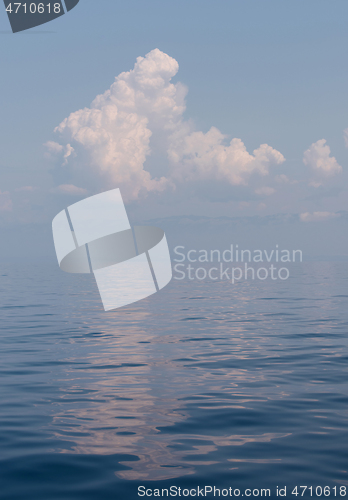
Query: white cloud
{"points": [[107, 144], [317, 216], [199, 156], [5, 202], [70, 189], [318, 158], [69, 150], [112, 138], [53, 147]]}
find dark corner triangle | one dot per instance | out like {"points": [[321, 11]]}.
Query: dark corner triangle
{"points": [[21, 20], [70, 4]]}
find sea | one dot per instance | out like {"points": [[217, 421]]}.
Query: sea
{"points": [[205, 389]]}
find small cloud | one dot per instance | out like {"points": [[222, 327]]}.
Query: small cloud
{"points": [[5, 202], [69, 189], [345, 135], [53, 147], [265, 191], [317, 216], [318, 158], [69, 150]]}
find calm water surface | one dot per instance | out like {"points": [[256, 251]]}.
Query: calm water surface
{"points": [[205, 383]]}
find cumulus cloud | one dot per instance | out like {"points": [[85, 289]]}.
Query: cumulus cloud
{"points": [[198, 156], [318, 158], [107, 145], [5, 202], [317, 216], [112, 137]]}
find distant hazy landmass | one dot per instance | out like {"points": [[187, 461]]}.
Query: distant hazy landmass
{"points": [[325, 239], [319, 240]]}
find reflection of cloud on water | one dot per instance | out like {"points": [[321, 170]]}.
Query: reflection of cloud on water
{"points": [[131, 430], [133, 384], [151, 466], [256, 460], [167, 383]]}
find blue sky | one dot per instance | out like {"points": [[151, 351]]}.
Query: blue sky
{"points": [[267, 72]]}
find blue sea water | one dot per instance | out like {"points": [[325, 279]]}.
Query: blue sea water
{"points": [[205, 383]]}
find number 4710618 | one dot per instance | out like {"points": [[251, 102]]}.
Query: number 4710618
{"points": [[319, 491], [33, 8]]}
